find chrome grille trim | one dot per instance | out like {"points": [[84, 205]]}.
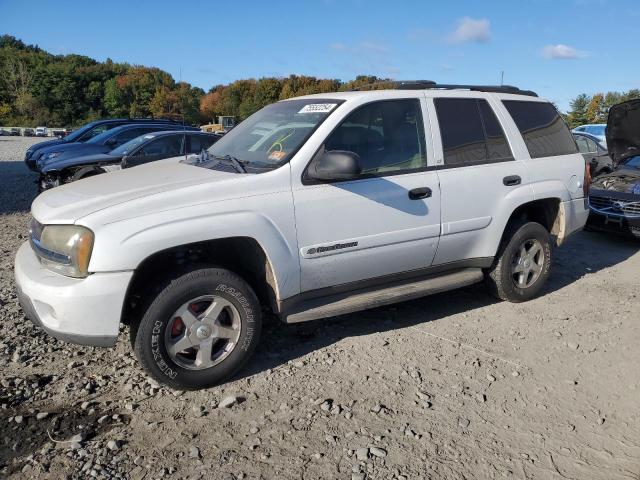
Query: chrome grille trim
{"points": [[614, 206]]}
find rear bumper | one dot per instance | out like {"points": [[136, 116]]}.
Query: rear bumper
{"points": [[85, 311], [576, 214]]}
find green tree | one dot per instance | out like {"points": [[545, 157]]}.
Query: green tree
{"points": [[578, 114]]}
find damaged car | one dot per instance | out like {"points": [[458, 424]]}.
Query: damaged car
{"points": [[55, 165], [614, 198], [142, 149]]}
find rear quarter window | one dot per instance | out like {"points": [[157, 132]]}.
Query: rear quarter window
{"points": [[544, 131]]}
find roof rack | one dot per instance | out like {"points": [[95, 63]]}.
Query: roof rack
{"points": [[431, 85]]}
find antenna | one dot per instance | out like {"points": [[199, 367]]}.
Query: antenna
{"points": [[502, 78]]}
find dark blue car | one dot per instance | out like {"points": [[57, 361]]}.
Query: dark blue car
{"points": [[143, 149], [85, 133], [102, 143]]}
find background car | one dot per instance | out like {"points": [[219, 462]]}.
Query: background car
{"points": [[86, 133], [28, 132], [143, 149], [41, 131], [14, 132], [595, 153], [614, 198], [55, 161], [595, 129]]}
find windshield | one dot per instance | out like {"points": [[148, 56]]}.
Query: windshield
{"points": [[129, 146], [99, 139], [75, 135], [271, 136]]}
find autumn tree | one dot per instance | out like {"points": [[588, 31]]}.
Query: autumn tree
{"points": [[595, 112]]}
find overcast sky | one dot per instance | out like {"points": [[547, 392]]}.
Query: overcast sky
{"points": [[559, 48]]}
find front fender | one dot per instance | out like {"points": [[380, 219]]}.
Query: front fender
{"points": [[124, 245]]}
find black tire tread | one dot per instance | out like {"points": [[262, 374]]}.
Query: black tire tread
{"points": [[495, 280], [215, 274]]}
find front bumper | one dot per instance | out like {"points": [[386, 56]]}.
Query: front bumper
{"points": [[85, 311], [615, 224], [31, 164]]}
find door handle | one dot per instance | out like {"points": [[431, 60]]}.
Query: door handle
{"points": [[418, 193], [512, 180]]}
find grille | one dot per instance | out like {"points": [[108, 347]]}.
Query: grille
{"points": [[614, 206]]}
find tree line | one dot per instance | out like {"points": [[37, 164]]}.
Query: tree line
{"points": [[39, 88], [595, 108]]}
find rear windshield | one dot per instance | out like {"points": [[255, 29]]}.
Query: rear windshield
{"points": [[544, 131]]}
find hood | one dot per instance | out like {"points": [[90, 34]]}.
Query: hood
{"points": [[623, 180], [623, 130], [70, 202], [46, 144], [69, 150], [66, 162]]}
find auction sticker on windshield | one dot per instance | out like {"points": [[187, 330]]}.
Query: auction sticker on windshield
{"points": [[317, 108], [277, 155]]}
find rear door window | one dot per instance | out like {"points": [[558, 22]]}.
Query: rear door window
{"points": [[470, 132], [583, 147], [544, 131]]}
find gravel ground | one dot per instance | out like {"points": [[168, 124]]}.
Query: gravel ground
{"points": [[452, 386]]}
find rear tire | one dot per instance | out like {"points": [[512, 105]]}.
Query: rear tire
{"points": [[523, 264], [200, 329]]}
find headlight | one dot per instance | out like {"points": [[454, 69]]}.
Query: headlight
{"points": [[65, 249]]}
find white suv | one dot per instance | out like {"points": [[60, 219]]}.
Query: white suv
{"points": [[312, 207]]}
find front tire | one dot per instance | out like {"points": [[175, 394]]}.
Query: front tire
{"points": [[523, 264], [200, 330]]}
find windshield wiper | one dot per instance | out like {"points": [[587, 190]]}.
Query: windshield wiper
{"points": [[233, 161]]}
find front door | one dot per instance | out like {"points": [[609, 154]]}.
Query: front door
{"points": [[385, 222]]}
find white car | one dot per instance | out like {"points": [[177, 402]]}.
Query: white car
{"points": [[41, 131], [595, 129], [348, 201]]}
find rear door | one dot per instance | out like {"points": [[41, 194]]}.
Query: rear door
{"points": [[480, 178], [383, 223]]}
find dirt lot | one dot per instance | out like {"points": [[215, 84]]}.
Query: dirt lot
{"points": [[453, 386]]}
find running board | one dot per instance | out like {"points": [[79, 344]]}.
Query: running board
{"points": [[350, 302]]}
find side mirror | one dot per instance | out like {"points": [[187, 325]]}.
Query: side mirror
{"points": [[112, 142], [336, 165]]}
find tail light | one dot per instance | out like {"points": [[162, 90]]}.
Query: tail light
{"points": [[587, 179]]}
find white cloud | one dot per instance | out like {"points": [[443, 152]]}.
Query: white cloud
{"points": [[562, 52], [471, 30]]}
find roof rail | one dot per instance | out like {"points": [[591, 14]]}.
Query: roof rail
{"points": [[431, 85]]}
